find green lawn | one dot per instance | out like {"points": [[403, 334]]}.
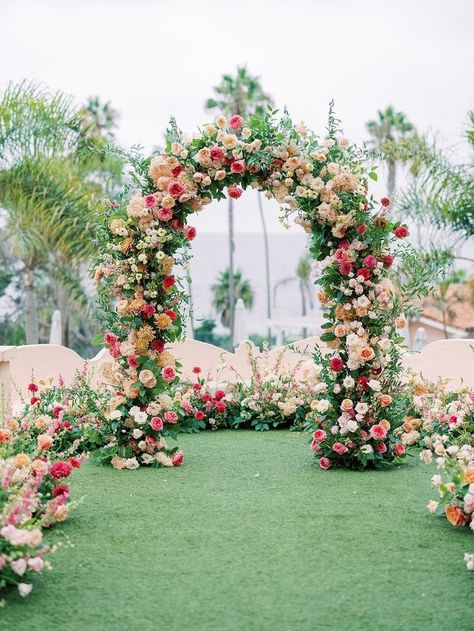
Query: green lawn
{"points": [[247, 535]]}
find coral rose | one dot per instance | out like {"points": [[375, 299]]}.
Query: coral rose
{"points": [[455, 515]]}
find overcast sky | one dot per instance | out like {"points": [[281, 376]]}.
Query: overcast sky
{"points": [[156, 58]]}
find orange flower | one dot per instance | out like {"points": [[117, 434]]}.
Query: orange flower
{"points": [[163, 321], [322, 297], [5, 436], [367, 353], [44, 441], [455, 515], [385, 424], [385, 400], [126, 245], [468, 475]]}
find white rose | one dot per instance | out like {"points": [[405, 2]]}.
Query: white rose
{"points": [[323, 405], [141, 418], [137, 433], [375, 385], [352, 426], [348, 382]]}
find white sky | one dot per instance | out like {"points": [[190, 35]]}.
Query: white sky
{"points": [[153, 59]]}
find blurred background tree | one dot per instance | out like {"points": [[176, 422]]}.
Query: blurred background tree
{"points": [[220, 294], [53, 170]]}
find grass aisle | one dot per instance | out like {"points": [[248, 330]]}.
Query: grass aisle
{"points": [[247, 535]]}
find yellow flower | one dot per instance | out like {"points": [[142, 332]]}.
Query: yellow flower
{"points": [[163, 321]]}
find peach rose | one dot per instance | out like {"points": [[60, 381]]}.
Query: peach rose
{"points": [[384, 423], [346, 405], [468, 475], [385, 400], [44, 441], [366, 353], [21, 460], [339, 330], [147, 378]]}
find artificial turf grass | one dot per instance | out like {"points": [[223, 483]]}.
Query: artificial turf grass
{"points": [[247, 535]]}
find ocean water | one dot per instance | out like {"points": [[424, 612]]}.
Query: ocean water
{"points": [[210, 257]]}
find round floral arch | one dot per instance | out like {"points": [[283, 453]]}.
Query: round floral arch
{"points": [[324, 185]]}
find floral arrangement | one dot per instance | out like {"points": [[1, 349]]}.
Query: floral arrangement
{"points": [[324, 185], [33, 496], [64, 419]]}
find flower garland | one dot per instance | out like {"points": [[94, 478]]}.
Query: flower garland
{"points": [[324, 185]]}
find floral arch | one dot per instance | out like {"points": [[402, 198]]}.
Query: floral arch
{"points": [[324, 185]]}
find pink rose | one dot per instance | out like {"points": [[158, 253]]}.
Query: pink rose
{"points": [[236, 121], [339, 448], [398, 449], [148, 311], [168, 373], [234, 191], [190, 233], [150, 201], [378, 432], [238, 166], [199, 415], [380, 448], [175, 171], [177, 459], [115, 351], [132, 361], [345, 268], [324, 463], [156, 423], [176, 189], [217, 153], [165, 214], [370, 261], [170, 417], [319, 435]]}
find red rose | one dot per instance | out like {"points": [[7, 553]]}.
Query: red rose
{"points": [[220, 406], [197, 387], [370, 261], [336, 364], [380, 222], [238, 166], [57, 409], [234, 191], [61, 489], [165, 214], [156, 423], [380, 448], [253, 169], [387, 260], [110, 339], [168, 373], [398, 449], [74, 462], [132, 361], [363, 383], [364, 272], [216, 153], [401, 232], [190, 232], [60, 469], [171, 314], [175, 171], [345, 268], [385, 201], [199, 415], [158, 346], [176, 189], [177, 459], [168, 281], [150, 201], [324, 463], [361, 229], [236, 121], [219, 394], [196, 370], [148, 311], [34, 400], [32, 387], [67, 425]]}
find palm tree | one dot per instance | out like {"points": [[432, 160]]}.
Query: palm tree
{"points": [[242, 94], [389, 126], [220, 291], [303, 278], [45, 191]]}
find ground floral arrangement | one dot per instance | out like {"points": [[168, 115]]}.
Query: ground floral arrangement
{"points": [[441, 422], [323, 185]]}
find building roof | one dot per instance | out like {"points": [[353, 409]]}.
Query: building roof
{"points": [[460, 312]]}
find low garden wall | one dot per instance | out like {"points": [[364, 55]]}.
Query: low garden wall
{"points": [[449, 359]]}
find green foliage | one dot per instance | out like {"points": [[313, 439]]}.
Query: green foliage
{"points": [[220, 293]]}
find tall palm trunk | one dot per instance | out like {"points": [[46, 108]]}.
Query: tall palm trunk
{"points": [[231, 271], [63, 306], [267, 262], [30, 308], [190, 303], [391, 178], [303, 305]]}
